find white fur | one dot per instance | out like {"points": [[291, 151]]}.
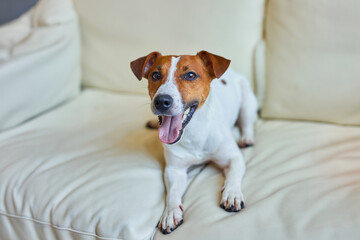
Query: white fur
{"points": [[170, 88], [208, 137]]}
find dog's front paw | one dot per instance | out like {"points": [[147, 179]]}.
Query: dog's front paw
{"points": [[246, 141], [232, 200], [171, 219]]}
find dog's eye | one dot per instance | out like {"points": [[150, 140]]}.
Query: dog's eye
{"points": [[190, 76], [156, 76]]}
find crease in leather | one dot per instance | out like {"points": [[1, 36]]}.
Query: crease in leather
{"points": [[9, 215]]}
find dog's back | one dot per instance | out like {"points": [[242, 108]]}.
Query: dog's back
{"points": [[229, 93]]}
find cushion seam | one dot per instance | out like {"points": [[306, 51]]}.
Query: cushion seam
{"points": [[56, 227]]}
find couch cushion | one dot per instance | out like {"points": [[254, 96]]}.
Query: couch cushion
{"points": [[313, 61], [302, 182], [117, 32], [39, 61], [87, 169]]}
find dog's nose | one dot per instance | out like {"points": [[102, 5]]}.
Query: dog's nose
{"points": [[163, 102]]}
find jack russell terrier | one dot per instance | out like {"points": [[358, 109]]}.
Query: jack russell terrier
{"points": [[203, 94]]}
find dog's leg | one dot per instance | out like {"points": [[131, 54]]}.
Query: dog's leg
{"points": [[247, 117], [232, 161], [175, 182]]}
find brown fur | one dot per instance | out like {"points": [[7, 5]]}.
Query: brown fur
{"points": [[198, 89]]}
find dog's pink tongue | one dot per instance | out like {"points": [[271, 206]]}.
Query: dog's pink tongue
{"points": [[169, 129]]}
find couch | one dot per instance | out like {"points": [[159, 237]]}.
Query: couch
{"points": [[76, 161]]}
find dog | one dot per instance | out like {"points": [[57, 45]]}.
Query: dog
{"points": [[198, 99]]}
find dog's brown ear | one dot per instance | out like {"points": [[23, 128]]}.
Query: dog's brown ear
{"points": [[216, 65], [141, 66]]}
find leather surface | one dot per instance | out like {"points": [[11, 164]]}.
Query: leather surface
{"points": [[313, 61]]}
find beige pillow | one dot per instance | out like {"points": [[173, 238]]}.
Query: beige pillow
{"points": [[313, 61], [117, 32], [39, 62]]}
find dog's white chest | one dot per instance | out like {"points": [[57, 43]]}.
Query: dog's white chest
{"points": [[188, 152]]}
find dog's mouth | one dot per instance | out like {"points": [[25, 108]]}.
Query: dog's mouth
{"points": [[172, 127]]}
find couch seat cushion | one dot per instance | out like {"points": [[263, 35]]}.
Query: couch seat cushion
{"points": [[89, 169], [302, 182]]}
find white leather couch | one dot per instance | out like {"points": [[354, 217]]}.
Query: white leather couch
{"points": [[81, 165]]}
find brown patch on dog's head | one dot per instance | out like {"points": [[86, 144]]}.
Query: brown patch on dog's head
{"points": [[197, 89], [206, 66]]}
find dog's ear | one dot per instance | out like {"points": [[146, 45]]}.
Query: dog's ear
{"points": [[216, 65], [141, 66]]}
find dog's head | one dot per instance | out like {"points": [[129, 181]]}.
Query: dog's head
{"points": [[178, 85]]}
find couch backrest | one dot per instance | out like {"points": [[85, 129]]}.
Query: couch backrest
{"points": [[116, 32], [313, 60]]}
